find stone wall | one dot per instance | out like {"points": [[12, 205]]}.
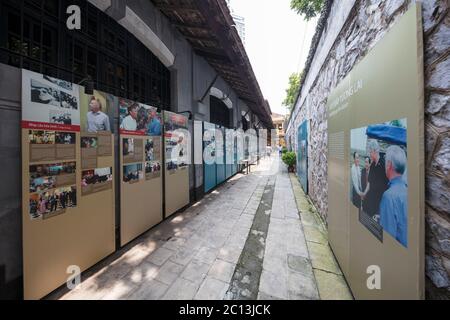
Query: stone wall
{"points": [[437, 129], [367, 22]]}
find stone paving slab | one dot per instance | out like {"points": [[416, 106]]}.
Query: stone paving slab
{"points": [[301, 286], [212, 289], [222, 270], [275, 283], [332, 286], [314, 234], [301, 265], [181, 289], [151, 290], [322, 258], [169, 272]]}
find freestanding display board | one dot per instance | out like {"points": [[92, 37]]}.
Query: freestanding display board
{"points": [[302, 155], [220, 154], [176, 157], [229, 152], [376, 167], [209, 164], [67, 203], [141, 164], [235, 154], [262, 143]]}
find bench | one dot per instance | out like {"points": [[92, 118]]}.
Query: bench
{"points": [[247, 164]]}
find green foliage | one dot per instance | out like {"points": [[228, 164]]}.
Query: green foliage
{"points": [[308, 8], [284, 150], [292, 90], [289, 158]]}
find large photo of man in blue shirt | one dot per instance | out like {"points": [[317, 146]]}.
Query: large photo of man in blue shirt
{"points": [[394, 202], [97, 112], [378, 185]]}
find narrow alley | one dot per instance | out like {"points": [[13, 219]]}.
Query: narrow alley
{"points": [[225, 150], [245, 240]]}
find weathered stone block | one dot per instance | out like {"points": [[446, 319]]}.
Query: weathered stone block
{"points": [[439, 77], [437, 43], [392, 6], [436, 194], [438, 232], [436, 271], [441, 158], [431, 12], [332, 286]]}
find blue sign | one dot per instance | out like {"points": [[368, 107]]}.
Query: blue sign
{"points": [[302, 155]]}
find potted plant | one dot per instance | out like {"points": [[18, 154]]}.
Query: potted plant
{"points": [[289, 158]]}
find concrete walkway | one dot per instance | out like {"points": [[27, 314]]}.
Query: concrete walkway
{"points": [[287, 270], [245, 240]]}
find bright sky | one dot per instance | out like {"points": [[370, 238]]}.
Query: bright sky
{"points": [[277, 43]]}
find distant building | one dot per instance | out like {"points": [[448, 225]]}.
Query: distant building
{"points": [[239, 21], [279, 122], [240, 26]]}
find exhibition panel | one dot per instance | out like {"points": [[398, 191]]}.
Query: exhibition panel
{"points": [[376, 167], [209, 152], [67, 182], [235, 155], [140, 176], [229, 152], [302, 155], [176, 177], [220, 154], [220, 150], [262, 143], [240, 153], [250, 146]]}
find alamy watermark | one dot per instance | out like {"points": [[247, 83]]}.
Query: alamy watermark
{"points": [[217, 146], [75, 276], [374, 280], [73, 22]]}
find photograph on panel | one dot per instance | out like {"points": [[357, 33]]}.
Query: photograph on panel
{"points": [[53, 202], [65, 138], [97, 111], [49, 100], [140, 118], [41, 137], [133, 173], [379, 181], [96, 180]]}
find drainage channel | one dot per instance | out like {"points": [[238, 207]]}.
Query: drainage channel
{"points": [[244, 284]]}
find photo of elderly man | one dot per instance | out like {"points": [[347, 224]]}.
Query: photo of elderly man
{"points": [[357, 194], [377, 180], [154, 125], [394, 202], [130, 121], [96, 119]]}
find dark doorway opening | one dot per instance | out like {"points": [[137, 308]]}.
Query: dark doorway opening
{"points": [[219, 113], [245, 124]]}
